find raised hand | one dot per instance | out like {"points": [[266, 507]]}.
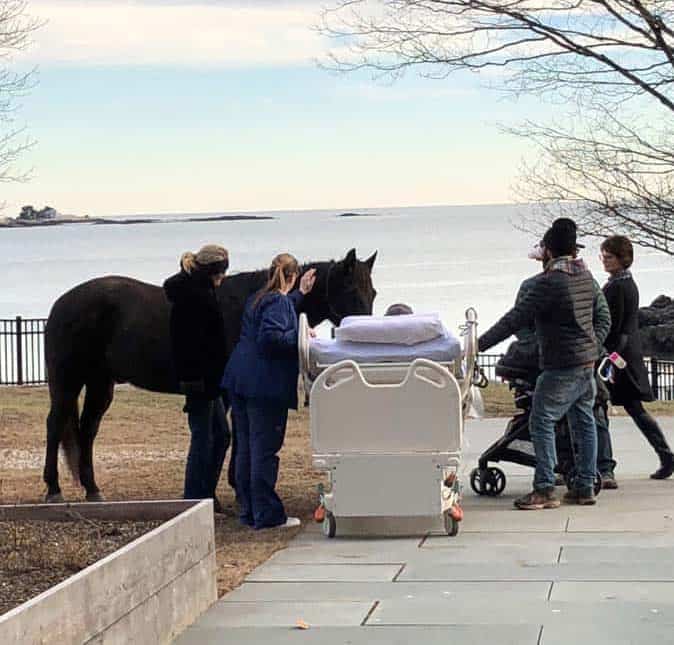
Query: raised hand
{"points": [[307, 281]]}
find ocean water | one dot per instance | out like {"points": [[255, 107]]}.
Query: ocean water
{"points": [[439, 259]]}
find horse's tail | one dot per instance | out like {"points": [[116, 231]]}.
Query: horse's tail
{"points": [[64, 374], [70, 443]]}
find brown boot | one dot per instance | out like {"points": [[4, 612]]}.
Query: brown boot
{"points": [[581, 496], [537, 500], [608, 482]]}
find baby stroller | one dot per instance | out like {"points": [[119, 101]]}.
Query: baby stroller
{"points": [[515, 445]]}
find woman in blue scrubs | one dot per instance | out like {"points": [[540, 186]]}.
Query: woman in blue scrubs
{"points": [[261, 378]]}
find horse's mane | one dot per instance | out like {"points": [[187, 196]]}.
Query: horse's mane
{"points": [[257, 273]]}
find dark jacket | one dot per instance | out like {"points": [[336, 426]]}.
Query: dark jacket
{"points": [[560, 303], [198, 340], [632, 383], [265, 365], [524, 352]]}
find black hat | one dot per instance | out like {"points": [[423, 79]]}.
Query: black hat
{"points": [[560, 239], [567, 222]]}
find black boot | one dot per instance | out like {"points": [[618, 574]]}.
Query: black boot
{"points": [[666, 467], [653, 433]]}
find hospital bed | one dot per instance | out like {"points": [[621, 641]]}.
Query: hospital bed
{"points": [[387, 427]]}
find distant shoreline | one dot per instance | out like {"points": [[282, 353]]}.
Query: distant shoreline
{"points": [[16, 223], [360, 214]]}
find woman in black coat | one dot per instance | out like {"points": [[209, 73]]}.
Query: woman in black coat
{"points": [[198, 347], [631, 385]]}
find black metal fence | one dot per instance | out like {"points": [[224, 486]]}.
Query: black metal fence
{"points": [[22, 351], [22, 359], [662, 378], [487, 363], [661, 374]]}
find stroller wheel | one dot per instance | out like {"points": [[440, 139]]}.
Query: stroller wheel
{"points": [[497, 481], [475, 481], [489, 481]]}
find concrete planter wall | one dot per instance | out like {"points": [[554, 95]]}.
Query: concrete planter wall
{"points": [[146, 592]]}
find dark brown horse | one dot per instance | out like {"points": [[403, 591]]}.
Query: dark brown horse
{"points": [[116, 330]]}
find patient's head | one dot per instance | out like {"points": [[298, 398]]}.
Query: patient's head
{"points": [[399, 309]]}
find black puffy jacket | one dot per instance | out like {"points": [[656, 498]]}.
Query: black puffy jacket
{"points": [[198, 340], [560, 302]]}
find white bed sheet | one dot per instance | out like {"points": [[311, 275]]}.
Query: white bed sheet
{"points": [[328, 351]]}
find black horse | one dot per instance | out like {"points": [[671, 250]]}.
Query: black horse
{"points": [[116, 330]]}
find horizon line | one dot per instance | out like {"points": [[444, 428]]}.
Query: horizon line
{"points": [[306, 210]]}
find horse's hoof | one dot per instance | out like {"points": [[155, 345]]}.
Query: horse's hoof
{"points": [[95, 497], [54, 498]]}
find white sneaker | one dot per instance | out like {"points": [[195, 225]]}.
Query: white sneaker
{"points": [[291, 522]]}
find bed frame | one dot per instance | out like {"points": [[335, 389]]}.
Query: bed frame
{"points": [[390, 435]]}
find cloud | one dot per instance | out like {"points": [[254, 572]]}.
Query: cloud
{"points": [[176, 33]]}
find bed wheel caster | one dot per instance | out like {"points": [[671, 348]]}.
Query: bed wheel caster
{"points": [[488, 481], [451, 524], [329, 525]]}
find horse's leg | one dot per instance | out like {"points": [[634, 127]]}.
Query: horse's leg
{"points": [[62, 423], [97, 400]]}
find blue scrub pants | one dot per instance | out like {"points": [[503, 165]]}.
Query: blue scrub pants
{"points": [[260, 431]]}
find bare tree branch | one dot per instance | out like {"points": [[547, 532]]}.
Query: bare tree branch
{"points": [[610, 164], [16, 29]]}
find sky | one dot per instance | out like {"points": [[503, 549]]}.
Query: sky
{"points": [[167, 106]]}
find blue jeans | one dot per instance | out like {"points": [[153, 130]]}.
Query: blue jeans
{"points": [[260, 431], [605, 462], [209, 442], [562, 392]]}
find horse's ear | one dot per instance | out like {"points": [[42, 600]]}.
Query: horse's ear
{"points": [[349, 262], [370, 261]]}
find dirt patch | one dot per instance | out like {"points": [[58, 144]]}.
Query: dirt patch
{"points": [[140, 454], [36, 555]]}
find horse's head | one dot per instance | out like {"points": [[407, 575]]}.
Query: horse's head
{"points": [[342, 288]]}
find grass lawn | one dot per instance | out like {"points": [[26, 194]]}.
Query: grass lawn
{"points": [[140, 454]]}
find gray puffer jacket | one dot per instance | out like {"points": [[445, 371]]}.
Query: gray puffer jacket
{"points": [[560, 304]]}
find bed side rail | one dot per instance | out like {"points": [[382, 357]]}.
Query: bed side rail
{"points": [[474, 376]]}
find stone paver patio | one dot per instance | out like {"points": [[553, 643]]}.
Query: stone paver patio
{"points": [[602, 574]]}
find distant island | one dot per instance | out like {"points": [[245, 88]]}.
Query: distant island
{"points": [[48, 216], [359, 215], [228, 218]]}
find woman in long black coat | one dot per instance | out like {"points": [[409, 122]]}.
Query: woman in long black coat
{"points": [[631, 385], [198, 347]]}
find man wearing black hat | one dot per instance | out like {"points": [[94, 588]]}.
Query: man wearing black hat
{"points": [[560, 302], [602, 326]]}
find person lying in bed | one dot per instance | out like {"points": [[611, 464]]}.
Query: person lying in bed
{"points": [[399, 309]]}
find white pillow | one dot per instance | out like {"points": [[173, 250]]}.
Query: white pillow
{"points": [[399, 330]]}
